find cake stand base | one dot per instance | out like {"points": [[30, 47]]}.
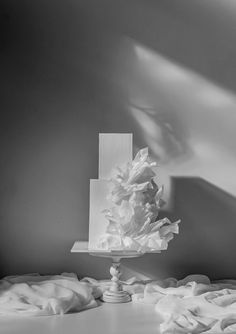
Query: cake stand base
{"points": [[116, 297]]}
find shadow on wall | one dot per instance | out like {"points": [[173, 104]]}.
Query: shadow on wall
{"points": [[206, 242]]}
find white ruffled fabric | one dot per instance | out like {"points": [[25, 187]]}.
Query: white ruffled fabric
{"points": [[193, 305], [189, 306], [37, 295]]}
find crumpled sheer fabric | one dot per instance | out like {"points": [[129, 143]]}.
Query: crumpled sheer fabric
{"points": [[189, 306], [36, 295], [44, 295], [193, 305]]}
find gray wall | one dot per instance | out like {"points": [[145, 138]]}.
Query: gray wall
{"points": [[163, 70]]}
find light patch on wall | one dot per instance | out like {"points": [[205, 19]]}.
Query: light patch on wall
{"points": [[163, 69], [187, 120], [154, 137]]}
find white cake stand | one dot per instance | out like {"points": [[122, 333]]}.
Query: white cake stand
{"points": [[115, 294]]}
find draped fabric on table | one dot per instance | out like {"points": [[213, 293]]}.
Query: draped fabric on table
{"points": [[192, 305], [44, 295]]}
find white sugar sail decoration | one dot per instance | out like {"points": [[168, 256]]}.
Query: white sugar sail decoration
{"points": [[132, 219]]}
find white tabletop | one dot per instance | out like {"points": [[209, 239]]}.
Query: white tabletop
{"points": [[127, 318]]}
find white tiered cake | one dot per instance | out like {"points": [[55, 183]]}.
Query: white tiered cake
{"points": [[125, 200]]}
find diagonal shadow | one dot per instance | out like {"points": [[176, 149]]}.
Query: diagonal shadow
{"points": [[206, 242]]}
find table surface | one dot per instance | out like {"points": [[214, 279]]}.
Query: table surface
{"points": [[126, 318]]}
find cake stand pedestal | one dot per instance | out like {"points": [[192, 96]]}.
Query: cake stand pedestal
{"points": [[115, 294]]}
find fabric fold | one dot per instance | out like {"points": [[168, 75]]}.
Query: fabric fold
{"points": [[193, 305], [44, 295]]}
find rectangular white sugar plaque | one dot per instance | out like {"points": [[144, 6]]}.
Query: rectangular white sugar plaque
{"points": [[98, 202], [115, 149]]}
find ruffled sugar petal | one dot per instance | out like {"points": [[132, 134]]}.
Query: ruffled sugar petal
{"points": [[131, 244], [136, 187], [152, 242], [159, 194], [126, 211], [159, 223], [113, 228], [142, 155], [174, 228], [108, 241], [141, 175]]}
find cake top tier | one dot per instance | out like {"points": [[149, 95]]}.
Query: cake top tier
{"points": [[115, 149]]}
